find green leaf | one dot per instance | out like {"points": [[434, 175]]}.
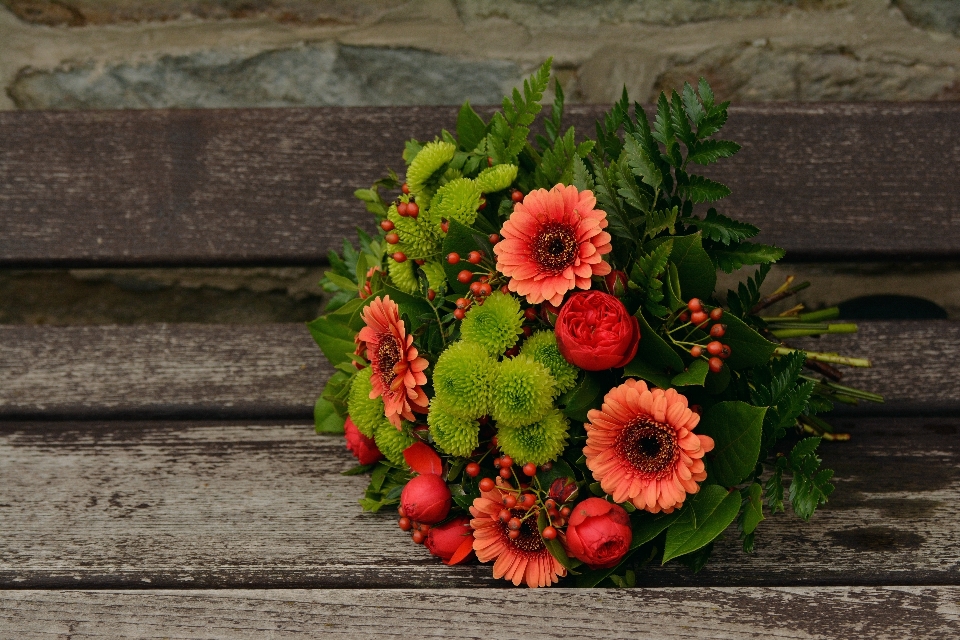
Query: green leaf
{"points": [[653, 354], [344, 283], [647, 526], [583, 397], [462, 239], [471, 129], [582, 178], [641, 163], [707, 514], [663, 131], [709, 151], [752, 513], [646, 274], [700, 189], [555, 547], [736, 428], [325, 417], [698, 277], [736, 256], [748, 294], [773, 488], [412, 306], [695, 375], [679, 120], [639, 368], [334, 339], [720, 228], [692, 105], [747, 347], [809, 487], [658, 221]]}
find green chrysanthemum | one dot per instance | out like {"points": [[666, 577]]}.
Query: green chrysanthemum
{"points": [[542, 347], [403, 275], [367, 414], [452, 435], [496, 324], [462, 378], [436, 276], [431, 158], [539, 442], [522, 392], [417, 238], [391, 442], [457, 200], [496, 178]]}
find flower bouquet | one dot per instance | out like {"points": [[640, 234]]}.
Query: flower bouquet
{"points": [[532, 362]]}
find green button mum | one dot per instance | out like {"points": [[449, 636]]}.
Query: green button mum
{"points": [[452, 435], [430, 159], [391, 442], [542, 347], [496, 324], [522, 392], [462, 378], [496, 178], [367, 414], [539, 442]]}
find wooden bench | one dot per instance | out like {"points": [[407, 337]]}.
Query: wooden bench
{"points": [[165, 480]]}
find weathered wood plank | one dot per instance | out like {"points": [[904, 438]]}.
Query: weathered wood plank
{"points": [[244, 186], [216, 505], [890, 613], [276, 371]]}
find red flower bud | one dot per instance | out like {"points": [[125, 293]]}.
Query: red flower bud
{"points": [[561, 489], [363, 448], [426, 499], [598, 533], [444, 540], [616, 282], [595, 332]]}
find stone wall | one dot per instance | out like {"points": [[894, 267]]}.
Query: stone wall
{"points": [[96, 54]]}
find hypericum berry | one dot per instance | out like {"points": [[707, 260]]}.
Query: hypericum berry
{"points": [[505, 515], [714, 348], [423, 528], [465, 276], [527, 501], [546, 466], [725, 351], [696, 351], [392, 238], [506, 461], [486, 484], [716, 364], [496, 463], [475, 288], [453, 258], [553, 513], [445, 226], [400, 511], [716, 314], [472, 469], [484, 278], [404, 524], [516, 195], [494, 238], [474, 257], [459, 314], [485, 289], [530, 469], [685, 316], [512, 352], [513, 534], [483, 204], [530, 313], [698, 317], [560, 522], [462, 303], [565, 512], [695, 305], [431, 295], [514, 524], [509, 501], [420, 261], [402, 208], [399, 256], [505, 473], [386, 225], [717, 330], [418, 537], [550, 504], [489, 161], [405, 188], [549, 533], [527, 331], [412, 209], [505, 289]]}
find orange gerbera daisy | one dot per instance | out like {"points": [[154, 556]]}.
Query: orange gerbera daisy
{"points": [[641, 447], [553, 242], [525, 559], [397, 369]]}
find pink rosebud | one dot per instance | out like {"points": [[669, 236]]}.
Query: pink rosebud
{"points": [[426, 499], [598, 533], [364, 449]]}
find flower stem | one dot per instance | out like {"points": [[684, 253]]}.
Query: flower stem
{"points": [[832, 358]]}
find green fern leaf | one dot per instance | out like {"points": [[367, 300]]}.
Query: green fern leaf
{"points": [[658, 221], [720, 228], [582, 178], [731, 258], [698, 189], [642, 165], [748, 295], [708, 151], [678, 118]]}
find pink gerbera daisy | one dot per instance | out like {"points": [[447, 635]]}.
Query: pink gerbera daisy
{"points": [[397, 369], [641, 447], [524, 559], [553, 242]]}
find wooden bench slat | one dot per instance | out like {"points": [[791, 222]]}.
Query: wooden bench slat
{"points": [[276, 371], [258, 186], [889, 613], [219, 505]]}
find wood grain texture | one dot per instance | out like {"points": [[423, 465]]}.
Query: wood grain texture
{"points": [[226, 505], [891, 613], [274, 186], [276, 371]]}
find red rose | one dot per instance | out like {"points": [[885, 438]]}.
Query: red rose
{"points": [[598, 533], [363, 448], [444, 540], [595, 332], [426, 499]]}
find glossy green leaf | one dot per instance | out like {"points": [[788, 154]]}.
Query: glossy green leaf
{"points": [[583, 397], [647, 526], [334, 339], [752, 508], [736, 428], [747, 347], [555, 547], [471, 129], [708, 513], [325, 417], [654, 357], [695, 375]]}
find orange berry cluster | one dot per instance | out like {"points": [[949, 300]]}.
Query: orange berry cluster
{"points": [[716, 350]]}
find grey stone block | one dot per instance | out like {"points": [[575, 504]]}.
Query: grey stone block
{"points": [[309, 75], [942, 15]]}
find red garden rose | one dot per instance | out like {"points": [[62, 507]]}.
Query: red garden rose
{"points": [[598, 533], [595, 332], [426, 499], [444, 540], [363, 448]]}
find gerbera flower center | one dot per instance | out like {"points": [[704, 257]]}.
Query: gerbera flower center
{"points": [[555, 247], [529, 539], [388, 355], [651, 447]]}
